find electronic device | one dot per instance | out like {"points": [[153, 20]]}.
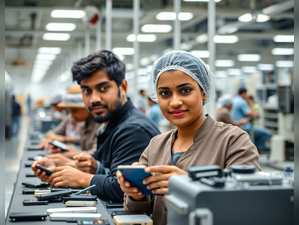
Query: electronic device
{"points": [[48, 172], [72, 217], [72, 210], [34, 202], [49, 190], [28, 165], [114, 205], [36, 158], [30, 174], [80, 203], [132, 220], [135, 175], [34, 148], [59, 144], [242, 198], [35, 184], [80, 198], [83, 222], [55, 194], [27, 216], [114, 213]]}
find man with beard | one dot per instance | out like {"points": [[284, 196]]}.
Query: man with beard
{"points": [[125, 133]]}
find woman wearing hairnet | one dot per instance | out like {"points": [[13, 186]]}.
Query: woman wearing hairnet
{"points": [[182, 84]]}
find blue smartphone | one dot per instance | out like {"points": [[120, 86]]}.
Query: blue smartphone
{"points": [[135, 175]]}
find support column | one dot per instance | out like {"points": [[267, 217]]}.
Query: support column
{"points": [[108, 24], [177, 25], [136, 7]]}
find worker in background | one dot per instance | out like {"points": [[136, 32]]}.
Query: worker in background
{"points": [[255, 107], [125, 132], [224, 105], [141, 103], [16, 114], [154, 112], [242, 108], [58, 112], [28, 100]]}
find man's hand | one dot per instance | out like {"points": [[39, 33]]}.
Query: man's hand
{"points": [[61, 160], [69, 176], [50, 137], [85, 163], [243, 121], [45, 162], [160, 177], [126, 186], [71, 153]]}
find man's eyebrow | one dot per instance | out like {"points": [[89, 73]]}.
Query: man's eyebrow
{"points": [[181, 85], [84, 86], [102, 83]]}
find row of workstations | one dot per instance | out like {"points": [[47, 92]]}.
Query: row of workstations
{"points": [[21, 192]]}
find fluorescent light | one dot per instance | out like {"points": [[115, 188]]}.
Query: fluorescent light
{"points": [[186, 46], [220, 74], [202, 38], [49, 50], [154, 57], [41, 67], [282, 63], [37, 75], [56, 36], [266, 67], [129, 66], [145, 61], [42, 62], [245, 18], [249, 69], [234, 72], [45, 56], [283, 38], [75, 14], [249, 57], [282, 51], [142, 38], [227, 39], [123, 51], [232, 30], [120, 57], [156, 28], [224, 63], [262, 18], [201, 54], [60, 26], [183, 16], [200, 0]]}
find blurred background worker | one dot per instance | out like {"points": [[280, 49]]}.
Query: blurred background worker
{"points": [[16, 113], [141, 103], [154, 112], [224, 105], [242, 108], [28, 100], [58, 112]]}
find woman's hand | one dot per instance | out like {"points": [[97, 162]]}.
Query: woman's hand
{"points": [[86, 163], [160, 177], [126, 186]]}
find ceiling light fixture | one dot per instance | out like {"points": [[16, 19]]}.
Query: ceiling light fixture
{"points": [[202, 38], [282, 63], [123, 51], [142, 38], [201, 54], [200, 0], [74, 14], [145, 61], [56, 36], [224, 63], [283, 38], [156, 28], [265, 67], [234, 72], [42, 62], [249, 69], [45, 56], [226, 39], [282, 51], [54, 50], [220, 74], [245, 18], [60, 26], [262, 18], [183, 16], [249, 57]]}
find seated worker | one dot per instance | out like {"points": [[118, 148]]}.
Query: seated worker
{"points": [[224, 105], [182, 84], [58, 112], [154, 112], [242, 107], [125, 134]]}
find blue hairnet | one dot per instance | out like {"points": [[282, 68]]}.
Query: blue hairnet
{"points": [[187, 63]]}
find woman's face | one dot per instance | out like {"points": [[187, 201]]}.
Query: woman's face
{"points": [[180, 98]]}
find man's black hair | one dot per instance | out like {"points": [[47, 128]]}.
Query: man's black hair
{"points": [[141, 91], [251, 97], [242, 90], [85, 67]]}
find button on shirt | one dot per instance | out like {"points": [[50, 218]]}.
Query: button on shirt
{"points": [[239, 110]]}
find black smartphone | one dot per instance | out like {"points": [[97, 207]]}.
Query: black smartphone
{"points": [[34, 202], [35, 158], [27, 216], [30, 174], [80, 198], [33, 148], [32, 191], [53, 200], [56, 194], [28, 165], [48, 172], [60, 145], [35, 184], [114, 213], [82, 222], [114, 205]]}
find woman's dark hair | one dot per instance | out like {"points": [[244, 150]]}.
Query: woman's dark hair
{"points": [[104, 59]]}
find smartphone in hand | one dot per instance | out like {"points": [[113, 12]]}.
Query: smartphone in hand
{"points": [[48, 172], [60, 145]]}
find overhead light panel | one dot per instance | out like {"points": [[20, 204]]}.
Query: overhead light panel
{"points": [[41, 67], [54, 50], [234, 72], [200, 0], [56, 36], [262, 18], [74, 14], [156, 28], [201, 54], [142, 38], [60, 26], [183, 16], [129, 66], [283, 38], [282, 51], [202, 38], [120, 56], [145, 61], [245, 18], [226, 39], [224, 63], [43, 62], [249, 69], [45, 56], [249, 57], [282, 63], [265, 67], [220, 74], [123, 51]]}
